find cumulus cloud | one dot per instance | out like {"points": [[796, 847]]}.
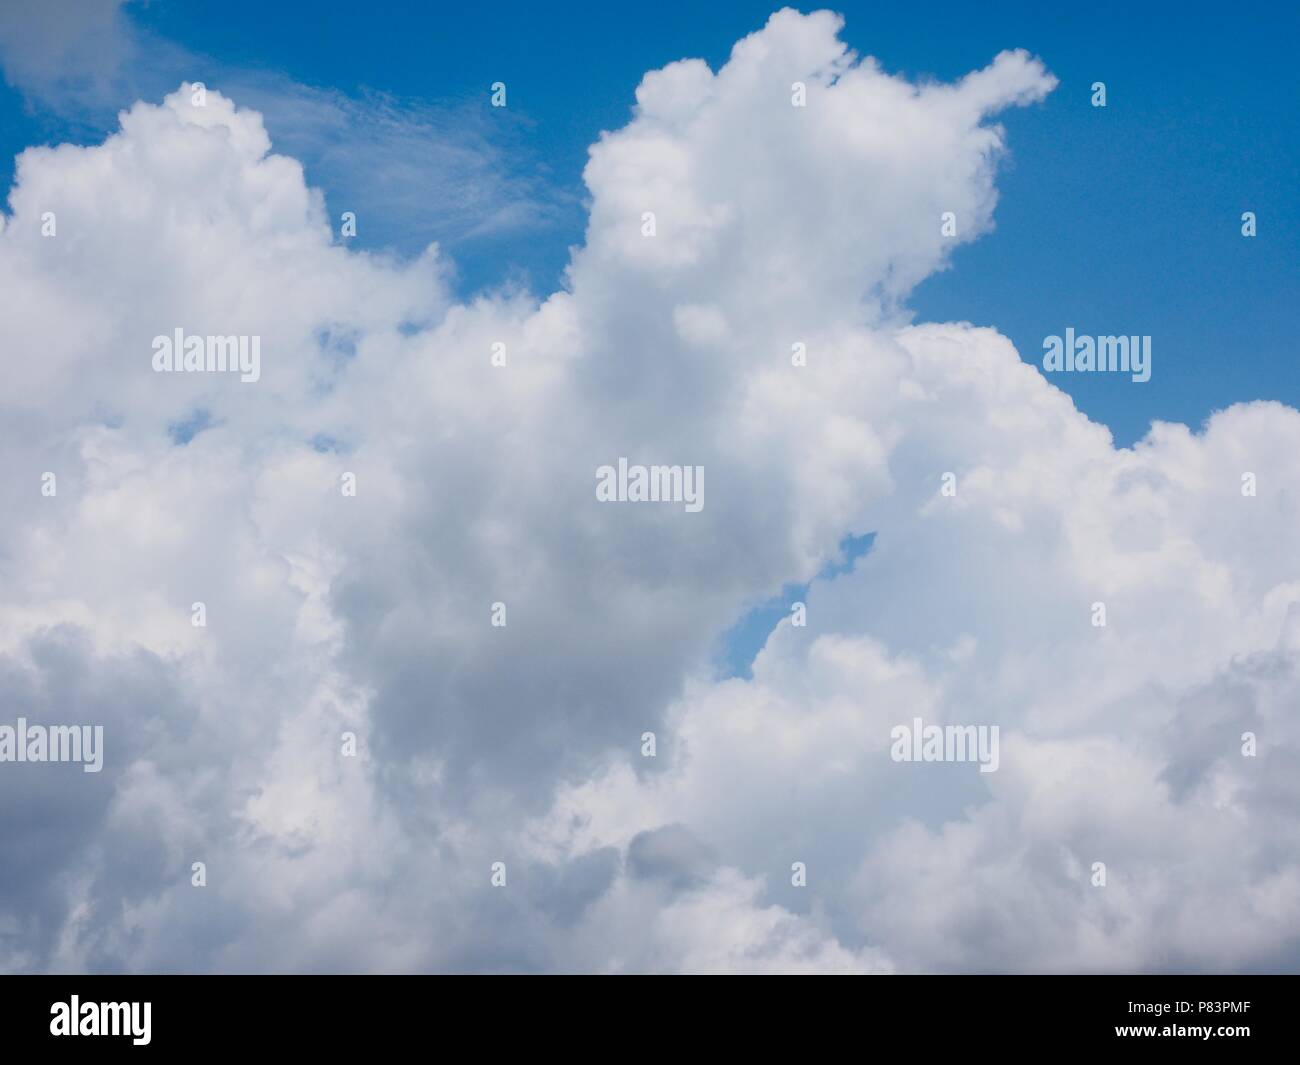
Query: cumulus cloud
{"points": [[326, 613]]}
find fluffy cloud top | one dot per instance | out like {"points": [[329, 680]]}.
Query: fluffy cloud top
{"points": [[774, 225]]}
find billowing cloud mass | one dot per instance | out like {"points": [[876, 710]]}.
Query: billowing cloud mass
{"points": [[329, 613]]}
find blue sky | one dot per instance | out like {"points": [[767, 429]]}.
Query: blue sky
{"points": [[1124, 219]]}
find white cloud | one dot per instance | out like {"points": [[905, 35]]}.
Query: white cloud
{"points": [[521, 744]]}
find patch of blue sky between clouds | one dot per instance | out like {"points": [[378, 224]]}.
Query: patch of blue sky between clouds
{"points": [[187, 429], [740, 644]]}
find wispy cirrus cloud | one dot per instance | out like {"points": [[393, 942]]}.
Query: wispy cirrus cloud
{"points": [[414, 171]]}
